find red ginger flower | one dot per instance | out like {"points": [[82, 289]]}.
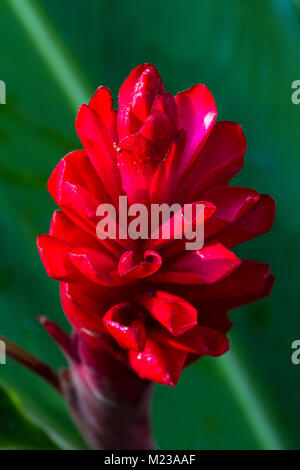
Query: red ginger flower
{"points": [[153, 305]]}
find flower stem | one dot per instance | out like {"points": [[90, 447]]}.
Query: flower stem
{"points": [[107, 424], [33, 364]]}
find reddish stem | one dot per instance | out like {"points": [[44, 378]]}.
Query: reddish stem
{"points": [[108, 402], [33, 364]]}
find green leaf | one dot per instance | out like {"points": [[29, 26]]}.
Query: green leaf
{"points": [[34, 135], [16, 430], [247, 54]]}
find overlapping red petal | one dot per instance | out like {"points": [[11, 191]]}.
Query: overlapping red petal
{"points": [[153, 305]]}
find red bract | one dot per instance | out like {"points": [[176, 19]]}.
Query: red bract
{"points": [[158, 306]]}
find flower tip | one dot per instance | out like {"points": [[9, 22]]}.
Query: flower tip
{"points": [[168, 380], [42, 319], [81, 113], [57, 334], [144, 67], [82, 106], [223, 347], [40, 241]]}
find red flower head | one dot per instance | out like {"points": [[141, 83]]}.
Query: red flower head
{"points": [[157, 306]]}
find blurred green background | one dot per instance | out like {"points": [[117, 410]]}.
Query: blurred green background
{"points": [[54, 54]]}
